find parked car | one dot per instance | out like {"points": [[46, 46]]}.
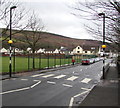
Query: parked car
{"points": [[92, 60], [85, 61], [97, 59]]}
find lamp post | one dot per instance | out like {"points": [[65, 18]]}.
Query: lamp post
{"points": [[10, 42], [103, 46]]}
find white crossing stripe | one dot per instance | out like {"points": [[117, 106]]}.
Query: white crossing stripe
{"points": [[72, 78], [36, 80], [24, 79], [67, 85], [37, 75], [46, 76], [51, 82], [86, 80], [60, 76]]}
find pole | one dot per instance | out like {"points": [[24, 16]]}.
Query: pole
{"points": [[10, 47], [10, 62], [103, 44], [14, 62]]}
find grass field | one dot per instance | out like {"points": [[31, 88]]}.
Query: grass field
{"points": [[21, 63]]}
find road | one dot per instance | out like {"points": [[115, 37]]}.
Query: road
{"points": [[66, 87]]}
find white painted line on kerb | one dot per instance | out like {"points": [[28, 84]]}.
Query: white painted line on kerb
{"points": [[46, 76], [86, 80], [37, 75], [66, 85], [72, 98], [51, 82], [81, 93], [24, 79], [86, 89], [60, 76], [72, 78]]}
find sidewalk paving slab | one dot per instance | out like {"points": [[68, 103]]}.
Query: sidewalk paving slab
{"points": [[106, 93]]}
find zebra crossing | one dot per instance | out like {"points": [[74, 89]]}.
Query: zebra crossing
{"points": [[69, 78]]}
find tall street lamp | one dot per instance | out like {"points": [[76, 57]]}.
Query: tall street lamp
{"points": [[10, 41], [103, 46]]}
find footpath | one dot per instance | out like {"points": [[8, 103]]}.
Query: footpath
{"points": [[105, 94], [4, 77]]}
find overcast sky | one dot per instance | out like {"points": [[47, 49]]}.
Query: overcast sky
{"points": [[57, 18]]}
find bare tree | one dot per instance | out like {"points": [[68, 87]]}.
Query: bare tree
{"points": [[33, 36], [18, 17], [89, 11]]}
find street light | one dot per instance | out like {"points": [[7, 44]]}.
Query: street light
{"points": [[10, 41], [103, 46]]}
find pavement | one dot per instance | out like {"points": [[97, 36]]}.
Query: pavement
{"points": [[106, 91], [6, 76]]}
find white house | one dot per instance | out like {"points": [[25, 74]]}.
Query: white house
{"points": [[3, 50], [56, 51], [41, 50], [77, 50], [87, 50]]}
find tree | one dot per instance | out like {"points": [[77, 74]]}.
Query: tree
{"points": [[33, 36], [18, 17], [90, 10]]}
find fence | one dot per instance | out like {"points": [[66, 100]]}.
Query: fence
{"points": [[29, 62]]}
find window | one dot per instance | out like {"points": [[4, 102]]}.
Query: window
{"points": [[78, 51], [85, 51], [78, 47]]}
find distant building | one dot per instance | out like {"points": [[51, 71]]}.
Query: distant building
{"points": [[86, 50]]}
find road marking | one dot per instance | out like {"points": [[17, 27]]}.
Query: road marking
{"points": [[86, 80], [72, 98], [72, 78], [36, 80], [13, 78], [37, 75], [15, 90], [66, 85], [80, 69], [81, 93], [60, 76], [85, 89], [26, 88], [46, 76], [71, 102], [24, 79], [51, 82], [35, 84]]}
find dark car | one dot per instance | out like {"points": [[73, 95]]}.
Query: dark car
{"points": [[85, 61]]}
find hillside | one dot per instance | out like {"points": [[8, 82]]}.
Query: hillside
{"points": [[52, 41]]}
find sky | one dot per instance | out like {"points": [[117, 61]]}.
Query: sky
{"points": [[57, 18]]}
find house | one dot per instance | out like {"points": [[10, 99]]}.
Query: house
{"points": [[86, 50], [41, 50], [3, 51]]}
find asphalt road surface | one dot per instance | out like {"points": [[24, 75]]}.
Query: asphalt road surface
{"points": [[66, 87]]}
